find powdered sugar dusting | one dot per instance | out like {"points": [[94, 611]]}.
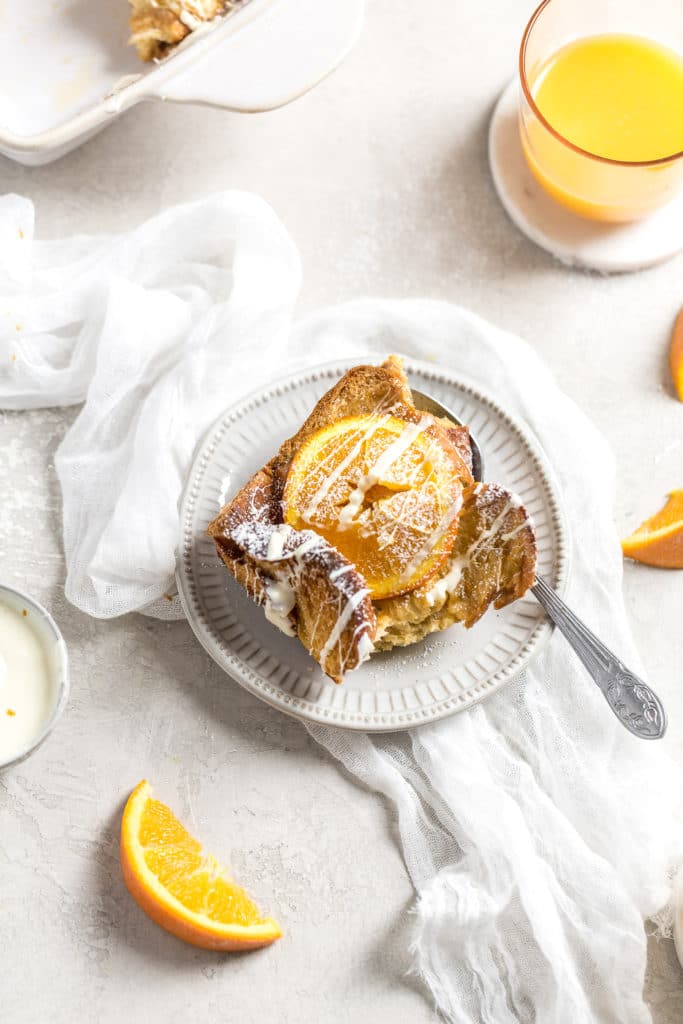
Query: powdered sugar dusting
{"points": [[284, 558]]}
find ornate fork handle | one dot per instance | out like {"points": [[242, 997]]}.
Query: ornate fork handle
{"points": [[631, 700]]}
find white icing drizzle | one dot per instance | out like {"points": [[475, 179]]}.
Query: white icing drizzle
{"points": [[433, 540], [512, 502], [280, 594], [276, 543], [285, 549], [189, 20], [309, 545], [447, 584], [364, 647], [325, 487], [342, 622], [373, 476], [342, 571], [280, 601], [518, 529], [440, 590]]}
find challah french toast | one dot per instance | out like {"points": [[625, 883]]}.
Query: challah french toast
{"points": [[367, 531]]}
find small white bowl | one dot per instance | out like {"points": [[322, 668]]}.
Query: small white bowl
{"points": [[58, 661]]}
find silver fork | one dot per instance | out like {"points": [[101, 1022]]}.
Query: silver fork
{"points": [[633, 702]]}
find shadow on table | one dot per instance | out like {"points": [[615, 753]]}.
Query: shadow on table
{"points": [[472, 215], [663, 982], [391, 958]]}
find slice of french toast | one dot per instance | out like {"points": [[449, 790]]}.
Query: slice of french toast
{"points": [[307, 587], [310, 589], [493, 562]]}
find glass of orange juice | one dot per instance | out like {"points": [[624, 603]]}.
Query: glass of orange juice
{"points": [[601, 104]]}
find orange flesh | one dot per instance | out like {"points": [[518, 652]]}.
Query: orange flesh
{"points": [[183, 889], [384, 492], [659, 540], [615, 95], [177, 860]]}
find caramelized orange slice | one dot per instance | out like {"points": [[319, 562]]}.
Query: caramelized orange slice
{"points": [[182, 888], [659, 540], [384, 492]]}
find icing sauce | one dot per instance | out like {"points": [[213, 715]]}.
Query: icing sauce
{"points": [[379, 470], [341, 624], [286, 548], [341, 468], [440, 590], [27, 691], [280, 602]]}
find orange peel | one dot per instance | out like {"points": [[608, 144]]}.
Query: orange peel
{"points": [[676, 355], [179, 886], [659, 540]]}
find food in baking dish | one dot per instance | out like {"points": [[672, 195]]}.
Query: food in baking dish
{"points": [[157, 26]]}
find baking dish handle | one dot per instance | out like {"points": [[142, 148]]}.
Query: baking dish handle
{"points": [[269, 59]]}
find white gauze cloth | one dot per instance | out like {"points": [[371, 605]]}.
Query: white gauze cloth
{"points": [[155, 330], [539, 835]]}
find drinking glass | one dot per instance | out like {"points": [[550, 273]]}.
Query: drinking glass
{"points": [[590, 185]]}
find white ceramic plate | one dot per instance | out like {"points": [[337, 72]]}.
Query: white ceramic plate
{"points": [[447, 671]]}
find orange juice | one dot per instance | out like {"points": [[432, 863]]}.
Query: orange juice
{"points": [[617, 97]]}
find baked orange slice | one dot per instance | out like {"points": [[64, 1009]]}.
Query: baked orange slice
{"points": [[659, 540], [183, 889], [676, 355], [385, 492]]}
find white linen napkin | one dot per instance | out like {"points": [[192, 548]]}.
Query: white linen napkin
{"points": [[155, 330], [538, 833]]}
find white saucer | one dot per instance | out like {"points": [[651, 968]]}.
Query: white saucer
{"points": [[610, 248], [443, 674]]}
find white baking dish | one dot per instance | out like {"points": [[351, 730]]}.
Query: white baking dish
{"points": [[68, 70]]}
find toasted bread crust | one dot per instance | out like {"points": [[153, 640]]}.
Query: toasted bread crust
{"points": [[335, 619], [493, 562]]}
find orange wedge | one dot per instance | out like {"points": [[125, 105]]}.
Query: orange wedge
{"points": [[676, 355], [659, 540], [182, 888], [383, 491]]}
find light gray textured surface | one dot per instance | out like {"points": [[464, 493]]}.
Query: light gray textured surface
{"points": [[381, 177]]}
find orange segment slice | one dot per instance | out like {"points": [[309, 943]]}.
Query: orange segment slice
{"points": [[384, 492], [676, 355], [659, 540], [182, 888]]}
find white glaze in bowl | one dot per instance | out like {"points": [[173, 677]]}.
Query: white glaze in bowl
{"points": [[45, 628]]}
